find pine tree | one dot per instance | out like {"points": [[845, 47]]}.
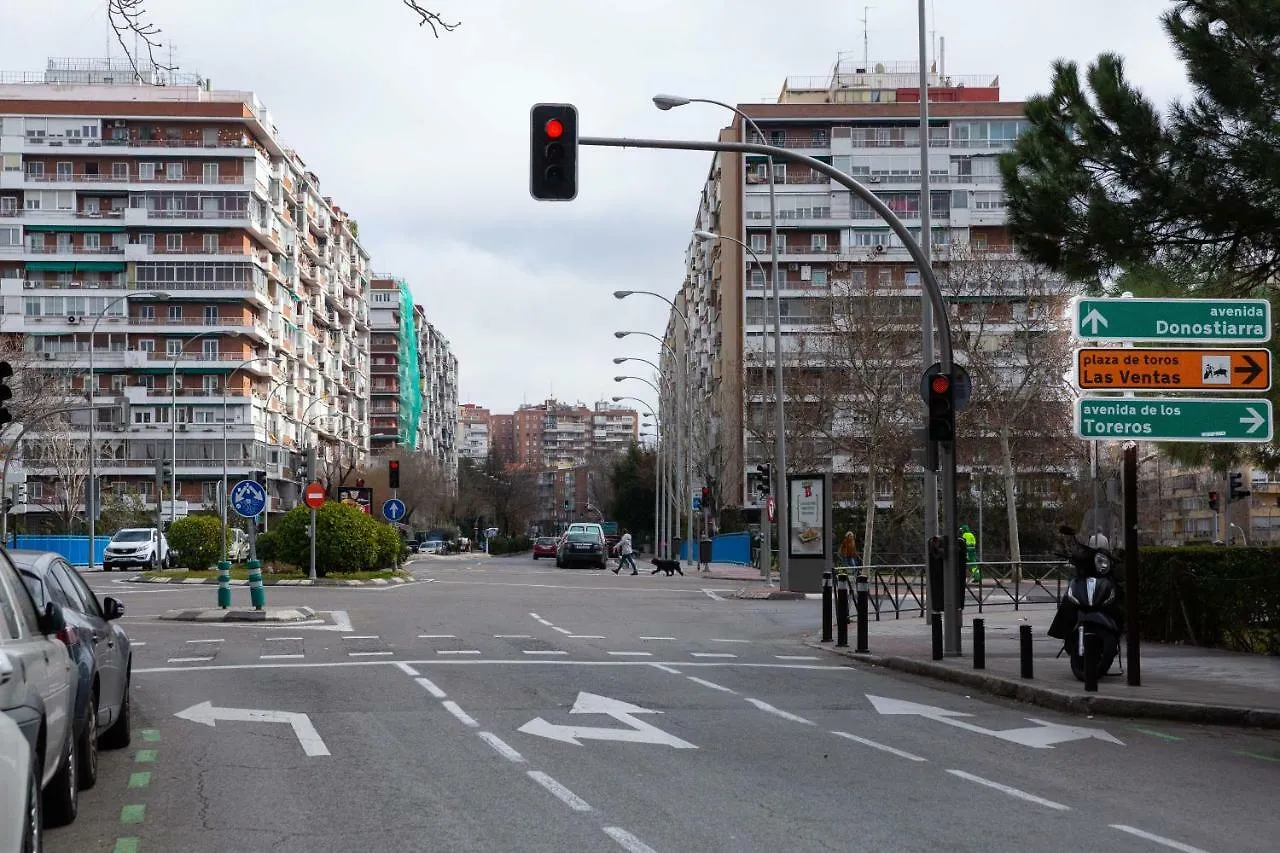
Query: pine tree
{"points": [[1102, 182]]}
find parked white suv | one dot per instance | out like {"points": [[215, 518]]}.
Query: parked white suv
{"points": [[143, 547]]}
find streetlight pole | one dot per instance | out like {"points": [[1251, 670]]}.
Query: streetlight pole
{"points": [[926, 309], [91, 503], [657, 463], [173, 423], [666, 102], [664, 478], [226, 498]]}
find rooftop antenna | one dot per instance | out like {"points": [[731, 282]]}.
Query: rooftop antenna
{"points": [[866, 44]]}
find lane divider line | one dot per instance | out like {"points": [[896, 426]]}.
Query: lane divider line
{"points": [[457, 651], [543, 652], [657, 638], [1014, 792], [436, 637], [513, 636], [367, 654], [131, 814], [190, 642], [665, 668], [430, 687], [778, 712], [711, 684], [796, 657], [501, 747], [126, 845], [406, 668], [189, 660], [561, 630], [466, 719], [586, 637], [1148, 836], [359, 636], [628, 841], [880, 746], [632, 654], [560, 792], [279, 657], [712, 655], [730, 641], [139, 780], [282, 639]]}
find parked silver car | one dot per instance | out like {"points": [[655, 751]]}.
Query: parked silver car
{"points": [[20, 818], [37, 690], [99, 647]]}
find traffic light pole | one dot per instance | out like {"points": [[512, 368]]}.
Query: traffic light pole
{"points": [[942, 320]]}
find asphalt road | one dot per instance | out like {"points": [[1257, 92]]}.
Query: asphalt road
{"points": [[504, 705]]}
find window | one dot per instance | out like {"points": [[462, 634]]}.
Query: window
{"points": [[64, 170], [886, 276], [779, 173], [818, 242], [211, 316], [979, 241], [211, 385], [912, 278], [757, 277], [173, 171], [777, 137], [148, 240], [211, 173], [759, 242], [988, 201], [146, 345], [209, 137], [147, 312], [172, 348], [17, 611], [142, 416], [818, 278], [35, 170], [858, 276], [818, 138], [211, 244], [173, 242], [92, 242], [146, 171], [10, 236], [210, 350], [120, 171], [175, 312]]}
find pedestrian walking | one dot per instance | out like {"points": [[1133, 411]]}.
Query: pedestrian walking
{"points": [[848, 551], [625, 554], [971, 553]]}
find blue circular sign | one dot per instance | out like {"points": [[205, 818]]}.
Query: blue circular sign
{"points": [[393, 510], [249, 498]]}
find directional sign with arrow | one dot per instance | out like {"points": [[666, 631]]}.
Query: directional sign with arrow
{"points": [[1161, 369], [623, 712], [1174, 419], [206, 714], [1043, 735], [1213, 321]]}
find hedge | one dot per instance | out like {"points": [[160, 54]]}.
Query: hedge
{"points": [[510, 544], [347, 540], [197, 540], [1212, 596]]}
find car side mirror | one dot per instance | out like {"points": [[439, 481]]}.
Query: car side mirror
{"points": [[112, 608], [52, 621]]}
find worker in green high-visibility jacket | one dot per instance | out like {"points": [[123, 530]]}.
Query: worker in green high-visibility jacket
{"points": [[971, 552]]}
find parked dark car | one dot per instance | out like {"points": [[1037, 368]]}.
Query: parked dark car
{"points": [[99, 648], [545, 546], [581, 548]]}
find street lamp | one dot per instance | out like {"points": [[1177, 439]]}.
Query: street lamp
{"points": [[173, 421], [675, 486], [667, 102], [226, 497], [657, 465], [92, 503]]}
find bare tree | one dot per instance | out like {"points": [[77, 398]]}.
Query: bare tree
{"points": [[128, 18], [425, 486], [38, 391], [67, 459], [1007, 319]]}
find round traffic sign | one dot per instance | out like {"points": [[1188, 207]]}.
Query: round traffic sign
{"points": [[313, 495], [393, 509], [772, 507], [249, 498]]}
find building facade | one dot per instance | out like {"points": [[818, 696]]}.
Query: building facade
{"points": [[552, 434], [473, 432], [831, 247]]}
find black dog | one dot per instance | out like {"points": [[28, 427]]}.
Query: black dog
{"points": [[668, 566]]}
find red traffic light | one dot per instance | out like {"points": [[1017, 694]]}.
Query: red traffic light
{"points": [[394, 464], [554, 128], [940, 384]]}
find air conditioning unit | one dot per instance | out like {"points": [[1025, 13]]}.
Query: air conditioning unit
{"points": [[49, 355], [841, 266], [28, 285], [873, 179], [879, 248], [793, 267], [72, 320]]}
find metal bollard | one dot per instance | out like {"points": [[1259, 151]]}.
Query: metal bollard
{"points": [[1025, 648], [863, 588], [1091, 654], [979, 644], [257, 594], [224, 584], [826, 607], [935, 619], [842, 612]]}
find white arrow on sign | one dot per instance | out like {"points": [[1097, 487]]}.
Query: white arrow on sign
{"points": [[1095, 319], [206, 714], [1256, 420], [590, 703], [1042, 735]]}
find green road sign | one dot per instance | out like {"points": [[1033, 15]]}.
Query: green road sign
{"points": [[1223, 321], [1173, 419]]}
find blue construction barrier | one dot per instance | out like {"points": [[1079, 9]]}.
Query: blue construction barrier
{"points": [[725, 548], [74, 548]]}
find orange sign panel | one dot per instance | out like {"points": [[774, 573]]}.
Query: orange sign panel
{"points": [[1160, 369]]}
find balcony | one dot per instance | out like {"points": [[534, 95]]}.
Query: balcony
{"points": [[114, 183], [138, 147]]}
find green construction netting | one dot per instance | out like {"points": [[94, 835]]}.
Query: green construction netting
{"points": [[410, 387]]}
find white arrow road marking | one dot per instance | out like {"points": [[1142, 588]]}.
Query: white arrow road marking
{"points": [[1255, 420], [205, 714], [623, 712], [1095, 319], [1043, 735]]}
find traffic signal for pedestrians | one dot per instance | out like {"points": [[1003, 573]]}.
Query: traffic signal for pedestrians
{"points": [[1234, 492], [6, 393], [393, 473], [942, 410], [763, 484], [553, 152], [1213, 501], [706, 495]]}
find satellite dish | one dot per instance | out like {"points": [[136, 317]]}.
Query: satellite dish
{"points": [[879, 67]]}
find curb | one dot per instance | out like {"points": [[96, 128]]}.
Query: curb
{"points": [[268, 582], [271, 614], [768, 594], [1069, 702]]}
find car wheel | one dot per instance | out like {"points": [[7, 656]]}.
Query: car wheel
{"points": [[87, 748], [62, 797], [120, 733], [33, 832]]}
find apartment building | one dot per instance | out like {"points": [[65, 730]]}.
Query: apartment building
{"points": [[865, 122], [166, 233], [473, 432], [553, 434], [413, 377]]}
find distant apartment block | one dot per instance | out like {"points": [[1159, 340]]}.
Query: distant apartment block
{"points": [[473, 431]]}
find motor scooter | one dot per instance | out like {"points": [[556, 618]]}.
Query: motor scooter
{"points": [[1090, 617]]}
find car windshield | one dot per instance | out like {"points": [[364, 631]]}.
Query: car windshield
{"points": [[132, 536]]}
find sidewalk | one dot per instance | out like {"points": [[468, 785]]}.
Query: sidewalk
{"points": [[730, 572], [1185, 683]]}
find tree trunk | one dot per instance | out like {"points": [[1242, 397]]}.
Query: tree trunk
{"points": [[869, 526], [1011, 501]]}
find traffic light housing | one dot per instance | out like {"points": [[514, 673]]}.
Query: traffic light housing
{"points": [[1213, 501], [1234, 490], [311, 464], [393, 473], [6, 393], [762, 485], [942, 410], [553, 152], [706, 495]]}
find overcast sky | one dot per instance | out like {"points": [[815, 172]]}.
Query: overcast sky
{"points": [[425, 141]]}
